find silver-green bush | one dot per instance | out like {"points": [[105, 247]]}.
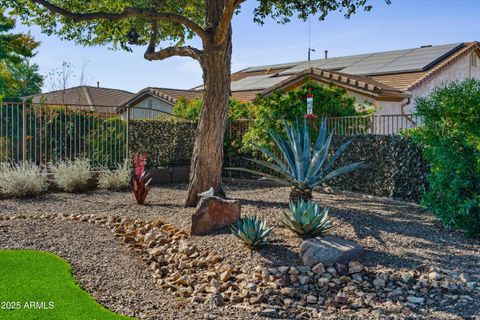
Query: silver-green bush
{"points": [[22, 180], [118, 179], [72, 176]]}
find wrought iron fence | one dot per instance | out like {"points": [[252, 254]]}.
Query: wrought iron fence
{"points": [[46, 133], [43, 133]]}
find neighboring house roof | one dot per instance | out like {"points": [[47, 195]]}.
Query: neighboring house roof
{"points": [[363, 85], [400, 69], [389, 75], [409, 81], [168, 95], [106, 99]]}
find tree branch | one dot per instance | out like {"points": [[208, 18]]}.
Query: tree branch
{"points": [[172, 51], [224, 26], [127, 12]]}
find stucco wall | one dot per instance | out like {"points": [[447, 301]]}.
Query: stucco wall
{"points": [[461, 70], [149, 108]]}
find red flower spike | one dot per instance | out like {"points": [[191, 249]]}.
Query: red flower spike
{"points": [[140, 180]]}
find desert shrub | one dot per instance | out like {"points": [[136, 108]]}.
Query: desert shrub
{"points": [[72, 176], [450, 137], [21, 180], [252, 231], [117, 179], [307, 219]]}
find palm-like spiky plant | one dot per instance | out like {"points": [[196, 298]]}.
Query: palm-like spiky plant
{"points": [[253, 231], [307, 218], [306, 166]]}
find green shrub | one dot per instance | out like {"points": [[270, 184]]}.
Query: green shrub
{"points": [[166, 142], [451, 140], [22, 180], [190, 109], [117, 179], [107, 142], [268, 112], [4, 149], [72, 176]]}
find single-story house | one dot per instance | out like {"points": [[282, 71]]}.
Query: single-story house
{"points": [[150, 103], [390, 80], [102, 100]]}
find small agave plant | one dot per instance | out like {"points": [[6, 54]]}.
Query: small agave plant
{"points": [[140, 179], [306, 165], [253, 231], [307, 218]]}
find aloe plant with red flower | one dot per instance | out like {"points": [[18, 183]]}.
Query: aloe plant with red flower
{"points": [[140, 180]]}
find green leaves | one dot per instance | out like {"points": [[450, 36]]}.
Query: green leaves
{"points": [[450, 137], [110, 31], [17, 77], [252, 231], [307, 219], [283, 11]]}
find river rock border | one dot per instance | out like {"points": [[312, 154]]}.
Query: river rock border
{"points": [[196, 276]]}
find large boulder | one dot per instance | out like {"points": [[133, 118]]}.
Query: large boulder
{"points": [[214, 213], [329, 250]]}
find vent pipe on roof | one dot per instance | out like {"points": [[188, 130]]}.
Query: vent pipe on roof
{"points": [[98, 84], [326, 54]]}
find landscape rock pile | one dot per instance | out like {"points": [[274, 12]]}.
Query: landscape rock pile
{"points": [[195, 276]]}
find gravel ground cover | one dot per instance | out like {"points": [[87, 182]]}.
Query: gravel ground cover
{"points": [[395, 235]]}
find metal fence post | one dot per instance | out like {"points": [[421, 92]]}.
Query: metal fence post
{"points": [[24, 132], [127, 138]]}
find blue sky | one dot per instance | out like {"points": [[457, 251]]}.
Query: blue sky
{"points": [[403, 24]]}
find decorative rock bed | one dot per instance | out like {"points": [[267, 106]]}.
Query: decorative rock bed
{"points": [[291, 292]]}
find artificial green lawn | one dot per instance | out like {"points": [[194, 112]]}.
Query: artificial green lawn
{"points": [[46, 280]]}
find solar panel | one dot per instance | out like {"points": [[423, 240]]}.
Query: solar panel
{"points": [[256, 82], [374, 61], [273, 66], [419, 59]]}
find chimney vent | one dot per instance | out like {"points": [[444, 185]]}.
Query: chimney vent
{"points": [[98, 84], [326, 54]]}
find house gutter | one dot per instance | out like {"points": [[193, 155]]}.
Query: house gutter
{"points": [[402, 110]]}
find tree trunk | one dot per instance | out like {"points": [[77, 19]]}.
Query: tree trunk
{"points": [[207, 157]]}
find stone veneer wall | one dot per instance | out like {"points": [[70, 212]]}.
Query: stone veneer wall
{"points": [[394, 167]]}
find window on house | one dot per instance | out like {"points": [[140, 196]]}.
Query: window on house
{"points": [[474, 60], [150, 104]]}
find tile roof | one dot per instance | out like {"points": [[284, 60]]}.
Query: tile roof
{"points": [[168, 95], [104, 99], [360, 84]]}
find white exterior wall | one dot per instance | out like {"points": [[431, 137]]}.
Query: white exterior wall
{"points": [[149, 108], [461, 70]]}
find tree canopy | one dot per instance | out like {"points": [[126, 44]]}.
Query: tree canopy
{"points": [[17, 76], [173, 22]]}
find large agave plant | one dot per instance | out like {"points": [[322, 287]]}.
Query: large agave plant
{"points": [[307, 218], [306, 166], [253, 231]]}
